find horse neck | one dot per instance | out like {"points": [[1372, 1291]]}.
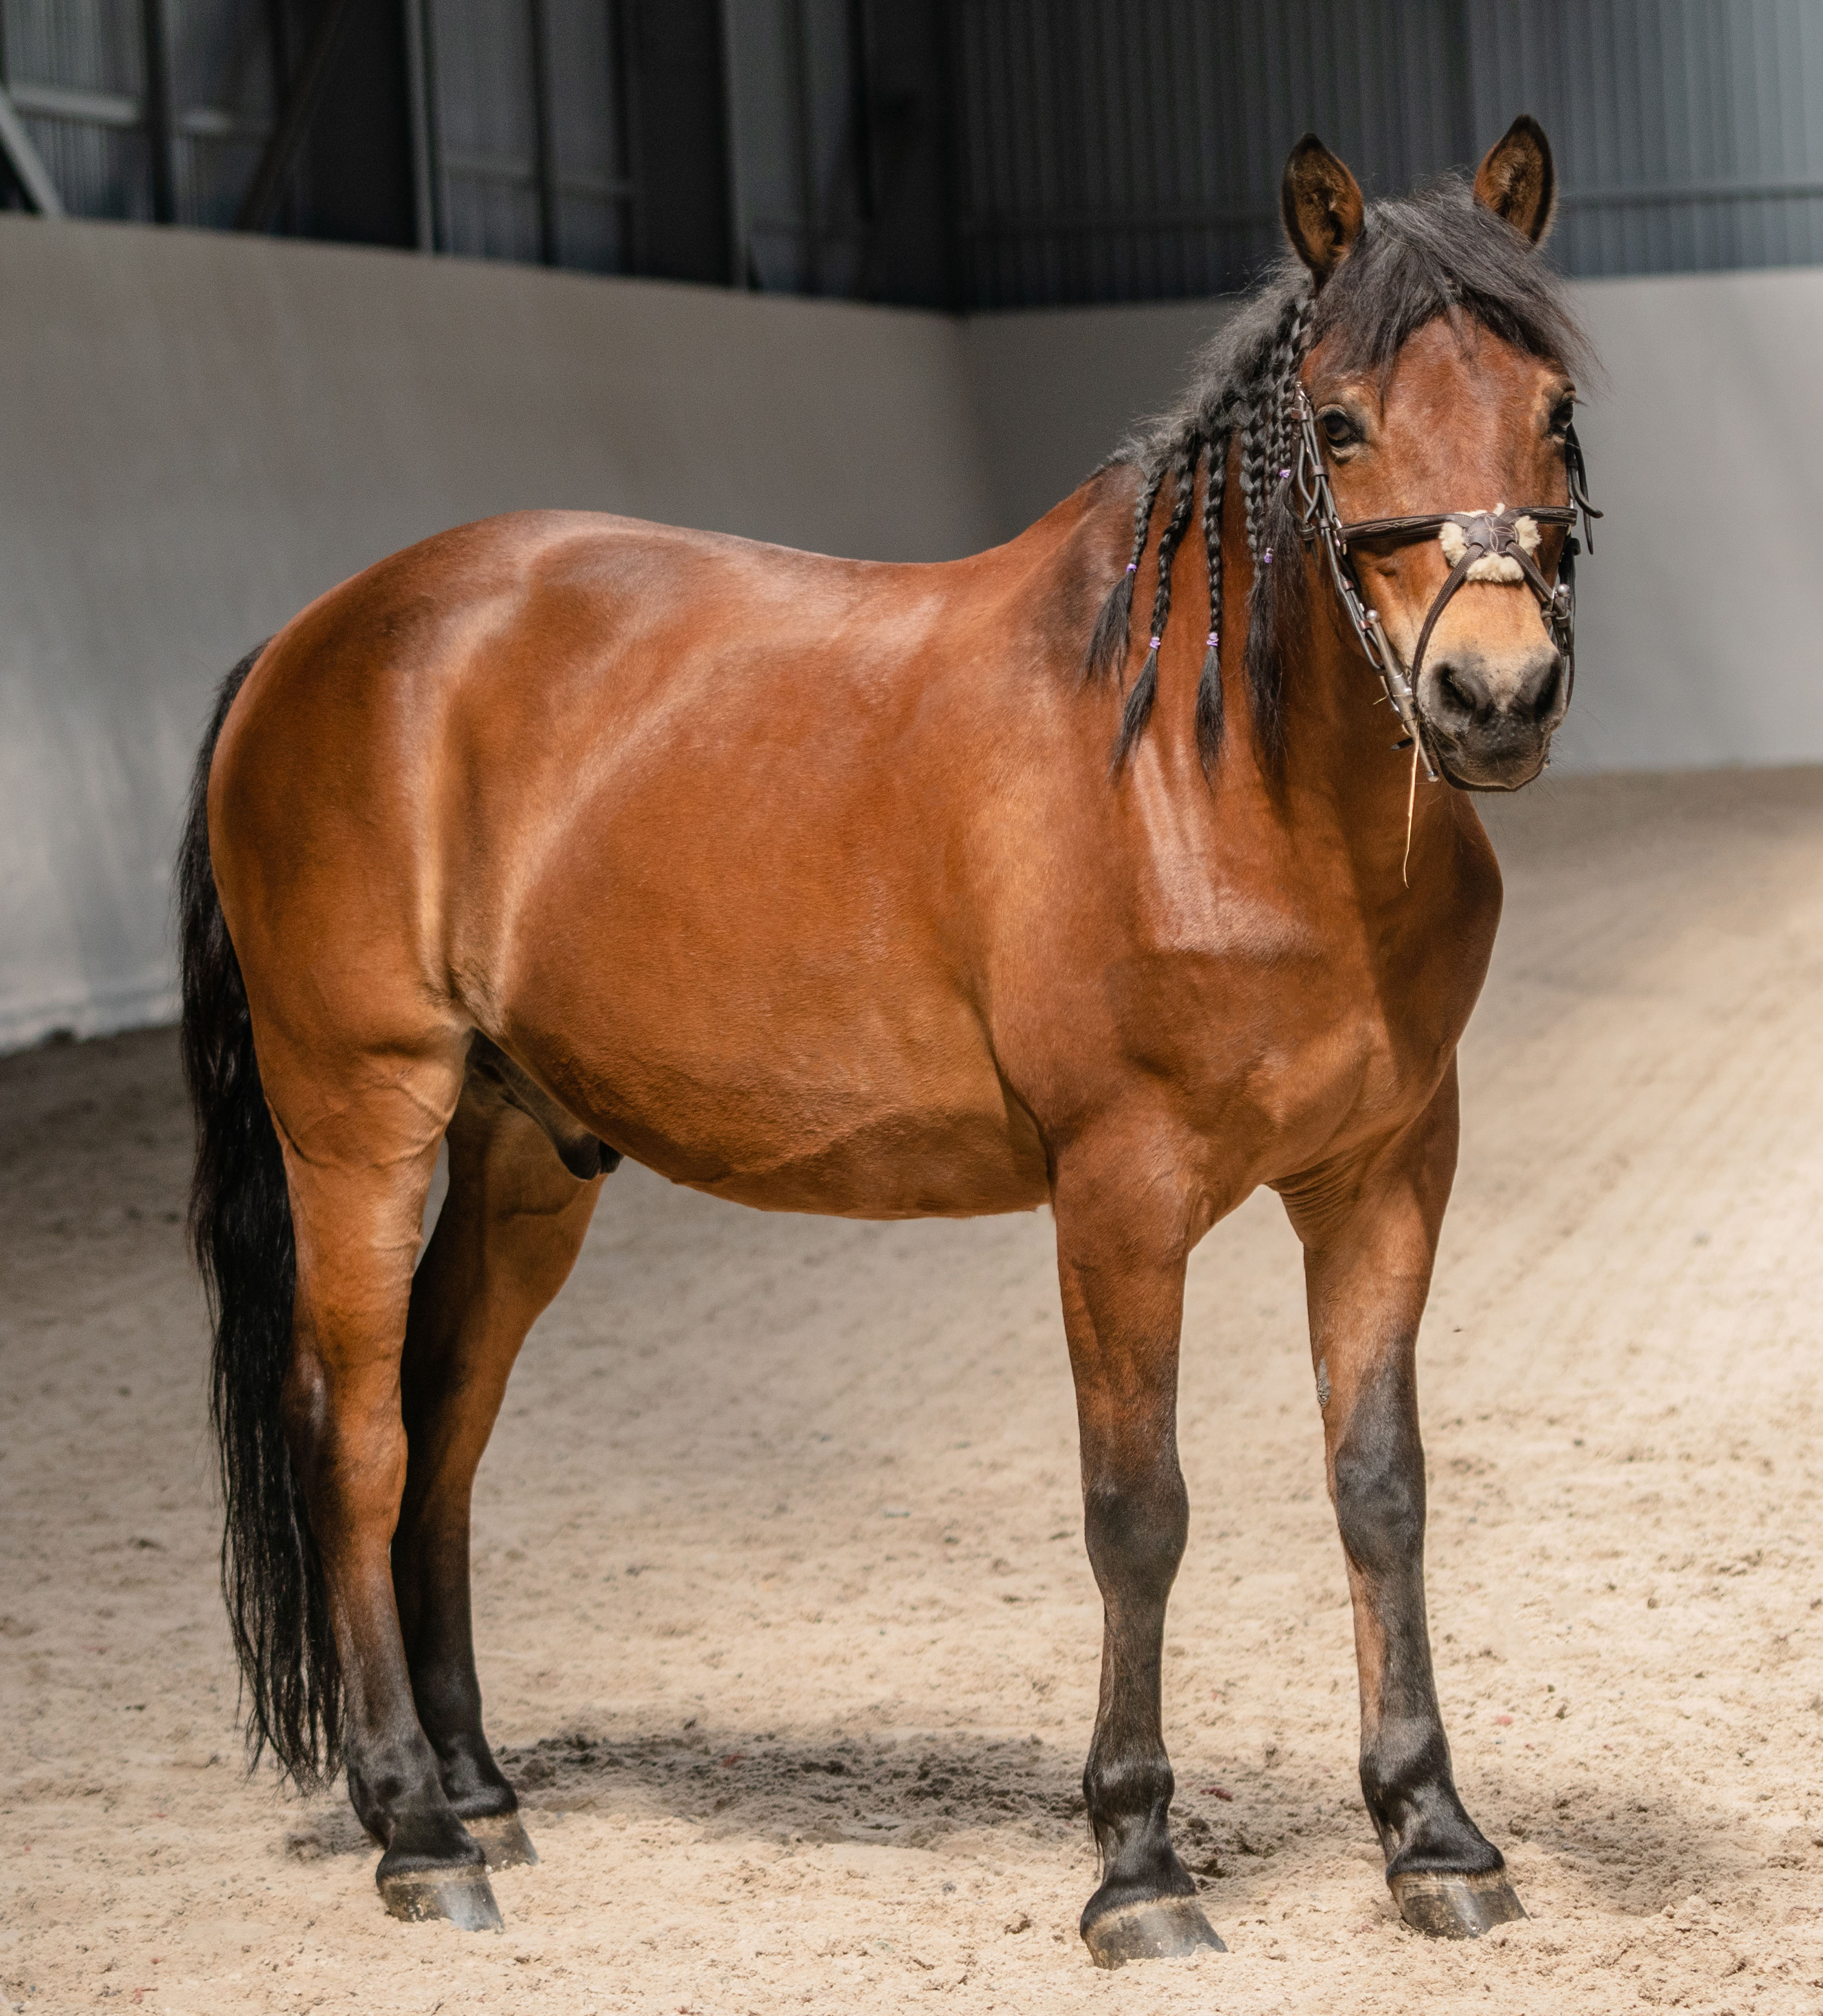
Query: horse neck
{"points": [[1338, 786]]}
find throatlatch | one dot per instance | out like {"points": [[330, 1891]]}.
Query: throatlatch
{"points": [[1481, 546]]}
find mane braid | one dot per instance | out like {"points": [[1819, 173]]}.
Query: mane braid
{"points": [[1137, 710], [1253, 475], [1280, 580], [1107, 650], [1436, 255], [1208, 695]]}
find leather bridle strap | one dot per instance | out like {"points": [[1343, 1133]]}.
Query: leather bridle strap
{"points": [[1487, 535]]}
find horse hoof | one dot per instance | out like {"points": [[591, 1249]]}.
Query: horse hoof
{"points": [[502, 1838], [464, 1896], [1152, 1928], [1447, 1906]]}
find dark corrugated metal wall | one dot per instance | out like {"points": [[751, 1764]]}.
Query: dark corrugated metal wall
{"points": [[964, 152], [1690, 131], [1131, 149], [76, 70], [528, 132]]}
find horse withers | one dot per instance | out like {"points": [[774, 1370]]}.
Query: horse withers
{"points": [[891, 891]]}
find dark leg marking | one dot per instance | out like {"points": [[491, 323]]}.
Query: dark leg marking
{"points": [[1447, 1878]]}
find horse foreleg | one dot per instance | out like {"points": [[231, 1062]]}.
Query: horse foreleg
{"points": [[1370, 1236], [1122, 1274], [508, 1236]]}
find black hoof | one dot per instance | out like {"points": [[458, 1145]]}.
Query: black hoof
{"points": [[464, 1896], [502, 1838], [1151, 1928], [1447, 1906]]}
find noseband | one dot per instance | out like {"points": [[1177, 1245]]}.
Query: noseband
{"points": [[1483, 545]]}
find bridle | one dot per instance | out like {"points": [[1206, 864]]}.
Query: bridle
{"points": [[1507, 533]]}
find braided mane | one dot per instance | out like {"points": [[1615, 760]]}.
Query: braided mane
{"points": [[1437, 253]]}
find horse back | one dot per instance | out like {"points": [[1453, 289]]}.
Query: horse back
{"points": [[704, 833]]}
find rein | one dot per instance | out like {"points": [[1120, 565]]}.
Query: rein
{"points": [[1487, 545]]}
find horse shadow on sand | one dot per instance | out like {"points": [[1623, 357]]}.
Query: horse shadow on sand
{"points": [[1632, 1849]]}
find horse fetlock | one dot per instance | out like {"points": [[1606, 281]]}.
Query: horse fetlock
{"points": [[1146, 1908], [397, 1793], [475, 1786], [1426, 1828], [434, 1868], [1128, 1794]]}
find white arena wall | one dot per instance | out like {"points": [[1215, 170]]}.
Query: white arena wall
{"points": [[198, 433]]}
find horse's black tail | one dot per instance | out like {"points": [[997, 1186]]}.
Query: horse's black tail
{"points": [[240, 1227]]}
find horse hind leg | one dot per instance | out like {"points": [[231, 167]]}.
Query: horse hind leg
{"points": [[359, 1136], [509, 1233]]}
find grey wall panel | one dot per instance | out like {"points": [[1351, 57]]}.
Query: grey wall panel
{"points": [[198, 433], [1705, 602], [1057, 389]]}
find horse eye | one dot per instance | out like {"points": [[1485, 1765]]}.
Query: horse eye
{"points": [[1562, 414], [1338, 429]]}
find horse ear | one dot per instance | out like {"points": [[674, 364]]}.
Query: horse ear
{"points": [[1517, 181], [1320, 202]]}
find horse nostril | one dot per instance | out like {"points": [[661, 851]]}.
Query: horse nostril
{"points": [[1462, 692], [1538, 695]]}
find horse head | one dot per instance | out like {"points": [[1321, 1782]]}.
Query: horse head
{"points": [[1438, 459]]}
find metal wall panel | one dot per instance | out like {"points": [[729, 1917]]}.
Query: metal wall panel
{"points": [[797, 101], [484, 92], [76, 70], [528, 139], [590, 137], [1073, 150], [224, 85], [1689, 132], [1131, 149]]}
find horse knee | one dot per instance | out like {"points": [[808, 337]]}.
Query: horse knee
{"points": [[1136, 1530], [1378, 1481]]}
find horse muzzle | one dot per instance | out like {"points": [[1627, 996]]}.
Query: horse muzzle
{"points": [[1489, 721]]}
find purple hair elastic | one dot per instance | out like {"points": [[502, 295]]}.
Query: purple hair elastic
{"points": [[1267, 556], [1133, 567], [1155, 644], [1285, 472], [1213, 639]]}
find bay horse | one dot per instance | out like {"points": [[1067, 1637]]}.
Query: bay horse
{"points": [[886, 892]]}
